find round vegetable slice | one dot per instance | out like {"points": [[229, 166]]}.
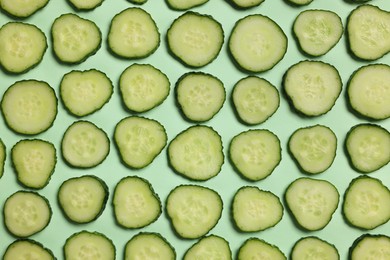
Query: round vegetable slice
{"points": [[209, 247], [3, 156], [245, 4], [185, 4], [366, 246], [253, 248], [312, 247], [27, 249], [299, 2], [22, 8], [85, 5]]}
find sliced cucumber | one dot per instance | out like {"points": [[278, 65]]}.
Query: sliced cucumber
{"points": [[139, 140], [149, 245], [22, 8], [184, 4], [255, 210], [257, 43], [135, 203], [317, 31], [209, 247], [200, 95], [255, 153], [312, 87], [133, 34], [83, 199], [84, 145], [137, 2], [368, 147], [197, 153], [256, 248], [29, 107], [312, 202], [3, 156], [245, 4], [85, 92], [26, 213], [143, 87], [22, 47], [368, 33], [366, 203], [193, 210], [312, 247], [34, 161], [313, 148], [255, 100], [85, 5], [27, 249], [195, 39], [370, 246], [369, 91], [89, 245], [299, 2], [75, 38]]}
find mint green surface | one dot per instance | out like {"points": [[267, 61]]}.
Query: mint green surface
{"points": [[283, 123]]}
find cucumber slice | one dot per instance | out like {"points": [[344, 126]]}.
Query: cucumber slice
{"points": [[22, 47], [182, 5], [26, 213], [137, 2], [368, 32], [299, 2], [370, 246], [313, 148], [245, 4], [255, 153], [255, 100], [366, 203], [312, 202], [255, 210], [3, 156], [312, 87], [149, 245], [89, 245], [312, 247], [74, 38], [83, 199], [85, 92], [133, 34], [368, 147], [84, 145], [195, 39], [85, 5], [197, 153], [200, 96], [257, 43], [135, 203], [139, 140], [369, 91], [254, 248], [143, 87], [29, 107], [22, 8], [209, 247], [34, 162], [317, 31], [193, 210], [27, 249]]}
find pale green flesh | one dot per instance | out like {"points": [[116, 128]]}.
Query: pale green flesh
{"points": [[314, 248], [86, 4], [149, 246], [185, 4], [372, 247], [300, 2], [2, 157], [209, 247], [27, 249], [22, 8], [255, 248], [247, 3]]}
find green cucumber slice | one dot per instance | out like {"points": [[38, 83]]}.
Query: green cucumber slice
{"points": [[312, 247], [209, 247], [27, 249], [254, 248], [3, 156], [85, 5], [374, 246], [22, 8], [182, 5]]}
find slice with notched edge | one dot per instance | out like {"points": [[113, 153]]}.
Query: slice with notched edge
{"points": [[370, 246], [181, 5], [27, 249], [312, 247], [22, 8], [245, 4], [299, 2], [3, 156], [209, 247], [85, 5], [254, 248]]}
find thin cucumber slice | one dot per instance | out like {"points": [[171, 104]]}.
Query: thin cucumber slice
{"points": [[182, 5], [312, 87], [197, 153], [255, 210], [135, 203], [317, 31], [83, 199], [255, 100], [139, 140], [368, 147], [137, 2], [254, 248], [313, 148], [26, 213], [312, 247], [195, 39], [29, 107], [370, 246], [22, 8], [85, 5], [27, 249], [299, 2], [149, 245], [22, 47], [85, 92], [255, 153], [34, 161], [3, 156], [209, 247], [369, 91], [245, 4], [257, 43], [366, 203], [200, 96], [133, 34], [89, 245], [368, 32], [312, 202], [143, 87], [84, 145]]}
